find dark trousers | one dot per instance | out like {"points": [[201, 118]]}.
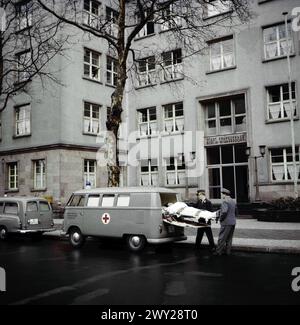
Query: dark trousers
{"points": [[209, 234], [225, 240]]}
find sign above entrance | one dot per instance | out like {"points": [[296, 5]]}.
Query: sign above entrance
{"points": [[226, 139]]}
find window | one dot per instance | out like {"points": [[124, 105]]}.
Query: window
{"points": [[11, 208], [173, 117], [279, 101], [216, 7], [146, 71], [44, 207], [32, 207], [90, 167], [111, 71], [282, 167], [170, 17], [24, 15], [13, 177], [172, 65], [23, 60], [276, 42], [175, 170], [112, 19], [149, 172], [222, 54], [92, 64], [123, 200], [76, 201], [91, 13], [22, 120], [91, 119], [226, 116], [147, 121], [93, 200], [39, 174], [148, 29], [108, 200]]}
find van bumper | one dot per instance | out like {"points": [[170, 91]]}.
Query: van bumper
{"points": [[34, 231], [165, 240]]}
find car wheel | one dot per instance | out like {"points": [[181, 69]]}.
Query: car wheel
{"points": [[3, 233], [136, 243], [76, 238]]}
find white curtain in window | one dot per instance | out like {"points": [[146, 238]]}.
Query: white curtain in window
{"points": [[95, 126], [291, 171], [216, 63], [154, 178], [145, 179], [286, 47], [278, 172], [275, 111], [271, 50], [228, 60], [171, 178]]}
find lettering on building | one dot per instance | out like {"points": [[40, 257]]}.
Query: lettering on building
{"points": [[227, 139]]}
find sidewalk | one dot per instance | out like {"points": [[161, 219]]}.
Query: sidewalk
{"points": [[250, 235]]}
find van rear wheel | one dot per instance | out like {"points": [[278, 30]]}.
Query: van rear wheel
{"points": [[76, 238], [136, 243], [3, 234]]}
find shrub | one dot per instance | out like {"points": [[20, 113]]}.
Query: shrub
{"points": [[287, 203]]}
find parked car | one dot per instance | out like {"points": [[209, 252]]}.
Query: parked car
{"points": [[23, 215], [131, 213]]}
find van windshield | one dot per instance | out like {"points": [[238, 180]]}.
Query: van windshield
{"points": [[167, 198]]}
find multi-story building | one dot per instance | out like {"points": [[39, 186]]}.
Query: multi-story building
{"points": [[233, 96]]}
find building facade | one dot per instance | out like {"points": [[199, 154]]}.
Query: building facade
{"points": [[202, 110]]}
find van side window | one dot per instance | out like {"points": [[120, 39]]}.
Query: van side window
{"points": [[108, 200], [123, 201], [77, 201], [93, 201], [44, 207], [32, 207], [11, 208]]}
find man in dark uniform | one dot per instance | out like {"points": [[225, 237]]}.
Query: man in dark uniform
{"points": [[204, 204]]}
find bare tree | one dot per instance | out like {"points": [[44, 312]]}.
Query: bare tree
{"points": [[29, 40], [187, 22]]}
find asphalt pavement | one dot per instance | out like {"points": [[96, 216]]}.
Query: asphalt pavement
{"points": [[250, 235]]}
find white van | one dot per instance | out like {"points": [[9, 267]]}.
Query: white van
{"points": [[131, 213]]}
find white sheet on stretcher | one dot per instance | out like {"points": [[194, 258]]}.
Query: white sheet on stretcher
{"points": [[183, 210]]}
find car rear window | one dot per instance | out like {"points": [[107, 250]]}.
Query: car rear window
{"points": [[11, 208], [32, 207], [44, 206]]}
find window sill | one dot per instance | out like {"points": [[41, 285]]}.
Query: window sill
{"points": [[90, 134], [145, 137], [93, 80], [296, 118], [165, 133], [11, 191], [144, 37], [175, 186], [222, 70], [38, 190], [173, 80], [277, 58], [22, 136], [278, 183], [146, 86], [217, 15], [110, 85]]}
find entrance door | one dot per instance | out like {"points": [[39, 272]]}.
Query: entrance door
{"points": [[242, 183]]}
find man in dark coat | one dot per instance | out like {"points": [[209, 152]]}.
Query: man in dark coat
{"points": [[204, 204]]}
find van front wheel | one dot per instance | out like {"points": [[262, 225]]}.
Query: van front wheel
{"points": [[76, 238], [136, 243], [3, 234]]}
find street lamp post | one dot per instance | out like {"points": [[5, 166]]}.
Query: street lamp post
{"points": [[262, 150]]}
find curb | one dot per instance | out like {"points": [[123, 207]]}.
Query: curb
{"points": [[191, 242]]}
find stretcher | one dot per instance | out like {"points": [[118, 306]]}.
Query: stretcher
{"points": [[181, 215]]}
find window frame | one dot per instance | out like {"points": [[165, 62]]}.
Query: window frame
{"points": [[151, 125], [170, 124], [90, 119], [150, 175], [148, 76], [24, 121], [177, 170], [87, 174], [13, 178], [113, 72], [42, 167], [90, 15], [89, 53], [222, 54]]}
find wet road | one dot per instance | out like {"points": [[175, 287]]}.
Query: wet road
{"points": [[51, 272]]}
